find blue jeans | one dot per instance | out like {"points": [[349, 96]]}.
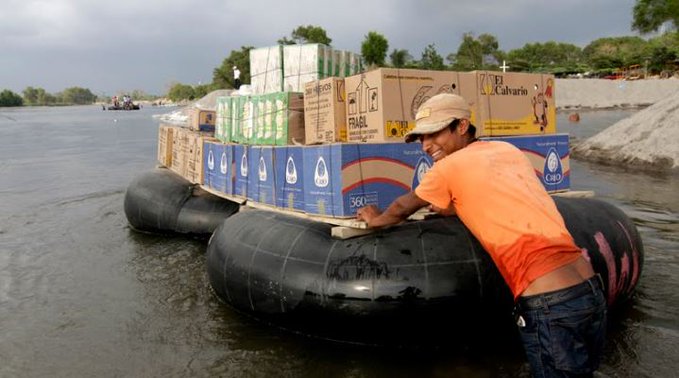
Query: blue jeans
{"points": [[563, 331]]}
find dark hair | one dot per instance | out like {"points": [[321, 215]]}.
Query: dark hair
{"points": [[471, 130]]}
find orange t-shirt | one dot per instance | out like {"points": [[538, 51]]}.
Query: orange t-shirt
{"points": [[497, 195]]}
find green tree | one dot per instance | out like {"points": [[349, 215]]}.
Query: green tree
{"points": [[9, 98], [77, 96], [400, 58], [307, 34], [30, 96], [649, 15], [476, 53], [374, 49], [553, 57], [180, 92], [615, 52], [431, 60], [222, 76]]}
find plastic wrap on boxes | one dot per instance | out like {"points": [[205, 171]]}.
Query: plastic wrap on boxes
{"points": [[304, 63], [266, 69]]}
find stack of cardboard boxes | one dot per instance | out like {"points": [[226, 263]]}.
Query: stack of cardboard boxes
{"points": [[329, 145]]}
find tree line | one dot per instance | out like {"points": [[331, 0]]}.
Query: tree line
{"points": [[601, 57]]}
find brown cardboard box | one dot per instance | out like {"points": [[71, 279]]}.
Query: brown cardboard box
{"points": [[165, 145], [202, 120], [381, 104], [187, 153], [325, 111], [194, 156], [510, 103], [179, 150]]}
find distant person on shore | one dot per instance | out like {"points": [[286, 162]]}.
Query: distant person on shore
{"points": [[115, 101], [236, 77], [491, 186]]}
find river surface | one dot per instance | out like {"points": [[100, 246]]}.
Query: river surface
{"points": [[82, 295]]}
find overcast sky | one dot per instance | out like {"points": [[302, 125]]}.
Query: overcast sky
{"points": [[121, 45]]}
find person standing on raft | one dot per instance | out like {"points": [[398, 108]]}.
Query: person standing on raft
{"points": [[491, 186]]}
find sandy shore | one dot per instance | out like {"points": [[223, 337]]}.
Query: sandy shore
{"points": [[647, 140]]}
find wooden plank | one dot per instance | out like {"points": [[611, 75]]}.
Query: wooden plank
{"points": [[341, 232], [238, 200], [575, 194], [345, 222]]}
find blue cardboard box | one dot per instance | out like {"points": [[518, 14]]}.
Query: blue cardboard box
{"points": [[212, 152], [289, 172], [341, 178], [218, 166], [240, 161], [550, 156], [261, 177]]}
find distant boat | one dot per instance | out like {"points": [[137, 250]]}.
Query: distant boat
{"points": [[129, 106]]}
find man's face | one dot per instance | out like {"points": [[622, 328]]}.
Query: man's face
{"points": [[442, 143]]}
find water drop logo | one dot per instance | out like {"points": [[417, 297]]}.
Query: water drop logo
{"points": [[244, 164], [210, 160], [423, 166], [321, 174], [262, 169], [223, 163], [290, 171], [553, 169]]}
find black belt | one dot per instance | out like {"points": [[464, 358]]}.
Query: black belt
{"points": [[537, 301]]}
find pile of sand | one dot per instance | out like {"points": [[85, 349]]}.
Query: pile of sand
{"points": [[180, 117], [648, 139]]}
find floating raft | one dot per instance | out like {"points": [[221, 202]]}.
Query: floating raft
{"points": [[429, 279], [422, 281]]}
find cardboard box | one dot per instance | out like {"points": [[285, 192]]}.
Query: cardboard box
{"points": [[550, 156], [304, 63], [165, 145], [266, 69], [381, 104], [289, 177], [218, 166], [194, 160], [510, 103], [341, 178], [202, 120], [187, 153], [325, 111], [286, 110], [223, 118], [241, 171], [180, 144], [261, 177]]}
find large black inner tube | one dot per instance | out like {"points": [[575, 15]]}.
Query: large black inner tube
{"points": [[426, 279], [162, 201]]}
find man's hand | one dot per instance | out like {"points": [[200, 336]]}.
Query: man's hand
{"points": [[397, 212], [368, 213]]}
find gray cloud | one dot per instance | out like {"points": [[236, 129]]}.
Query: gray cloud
{"points": [[147, 45]]}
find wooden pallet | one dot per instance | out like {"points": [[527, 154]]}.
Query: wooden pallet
{"points": [[345, 228]]}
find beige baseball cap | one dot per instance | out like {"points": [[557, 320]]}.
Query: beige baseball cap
{"points": [[437, 113]]}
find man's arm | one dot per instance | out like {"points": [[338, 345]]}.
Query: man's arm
{"points": [[397, 212]]}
